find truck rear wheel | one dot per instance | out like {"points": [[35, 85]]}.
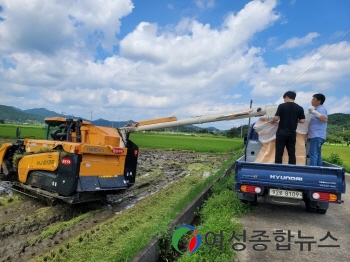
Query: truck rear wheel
{"points": [[321, 211], [312, 209], [309, 208], [250, 202]]}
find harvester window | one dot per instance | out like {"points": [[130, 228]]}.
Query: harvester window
{"points": [[58, 135]]}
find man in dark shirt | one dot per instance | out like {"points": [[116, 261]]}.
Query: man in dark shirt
{"points": [[289, 114]]}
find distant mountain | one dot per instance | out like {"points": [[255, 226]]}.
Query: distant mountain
{"points": [[42, 112], [36, 116], [99, 122], [11, 114], [116, 124], [16, 108], [339, 119]]}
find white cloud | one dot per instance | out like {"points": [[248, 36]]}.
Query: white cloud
{"points": [[202, 4], [321, 69], [336, 105], [298, 41], [49, 26], [48, 52]]}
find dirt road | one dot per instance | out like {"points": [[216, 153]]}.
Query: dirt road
{"points": [[301, 224]]}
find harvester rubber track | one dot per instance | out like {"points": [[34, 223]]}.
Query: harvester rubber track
{"points": [[48, 197]]}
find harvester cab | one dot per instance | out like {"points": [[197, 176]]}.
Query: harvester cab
{"points": [[64, 129]]}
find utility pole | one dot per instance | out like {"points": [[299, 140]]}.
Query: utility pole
{"points": [[251, 102], [91, 116]]}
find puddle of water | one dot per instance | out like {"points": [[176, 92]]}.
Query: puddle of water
{"points": [[4, 189]]}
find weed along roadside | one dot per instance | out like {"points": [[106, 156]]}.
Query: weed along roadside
{"points": [[216, 212], [219, 222]]}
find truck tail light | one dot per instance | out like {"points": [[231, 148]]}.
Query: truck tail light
{"points": [[251, 189], [324, 196]]}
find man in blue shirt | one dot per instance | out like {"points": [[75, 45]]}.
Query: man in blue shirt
{"points": [[317, 129]]}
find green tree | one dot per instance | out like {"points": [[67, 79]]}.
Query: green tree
{"points": [[2, 121], [331, 139], [237, 131], [346, 137]]}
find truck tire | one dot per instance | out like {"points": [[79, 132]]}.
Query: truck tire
{"points": [[309, 208], [321, 211], [252, 203]]}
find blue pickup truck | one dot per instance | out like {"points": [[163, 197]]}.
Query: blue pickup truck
{"points": [[287, 184]]}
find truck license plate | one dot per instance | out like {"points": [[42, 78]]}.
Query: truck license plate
{"points": [[286, 193]]}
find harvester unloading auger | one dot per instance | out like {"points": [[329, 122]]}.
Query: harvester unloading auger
{"points": [[80, 162]]}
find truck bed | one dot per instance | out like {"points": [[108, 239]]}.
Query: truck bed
{"points": [[329, 177]]}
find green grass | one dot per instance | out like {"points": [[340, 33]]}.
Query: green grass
{"points": [[192, 143], [219, 213], [9, 200], [342, 151]]}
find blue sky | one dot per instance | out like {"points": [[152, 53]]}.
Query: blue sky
{"points": [[123, 59]]}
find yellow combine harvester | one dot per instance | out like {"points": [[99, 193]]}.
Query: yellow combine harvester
{"points": [[80, 162]]}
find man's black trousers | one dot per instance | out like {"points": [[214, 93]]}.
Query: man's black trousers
{"points": [[289, 143]]}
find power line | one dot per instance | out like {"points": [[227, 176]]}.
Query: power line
{"points": [[311, 65]]}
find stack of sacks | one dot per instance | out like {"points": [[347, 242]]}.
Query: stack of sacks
{"points": [[267, 136]]}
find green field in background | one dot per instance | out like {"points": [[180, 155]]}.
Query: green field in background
{"points": [[187, 142], [9, 131], [342, 151]]}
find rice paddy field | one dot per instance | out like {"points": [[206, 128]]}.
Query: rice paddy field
{"points": [[209, 144], [9, 131]]}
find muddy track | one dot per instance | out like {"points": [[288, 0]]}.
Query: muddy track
{"points": [[21, 224]]}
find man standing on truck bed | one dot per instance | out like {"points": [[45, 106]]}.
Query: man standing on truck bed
{"points": [[289, 115], [317, 129]]}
